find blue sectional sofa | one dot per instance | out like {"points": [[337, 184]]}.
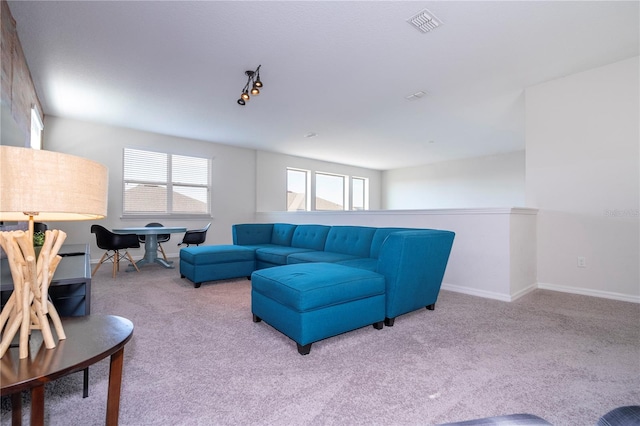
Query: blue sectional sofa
{"points": [[296, 271], [413, 261]]}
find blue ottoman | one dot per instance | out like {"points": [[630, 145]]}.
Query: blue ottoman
{"points": [[312, 301], [210, 263]]}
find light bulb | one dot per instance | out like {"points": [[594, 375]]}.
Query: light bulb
{"points": [[245, 96], [255, 90]]}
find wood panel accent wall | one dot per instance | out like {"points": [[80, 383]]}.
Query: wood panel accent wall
{"points": [[18, 91]]}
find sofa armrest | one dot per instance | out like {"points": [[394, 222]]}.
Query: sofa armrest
{"points": [[413, 263], [245, 234]]}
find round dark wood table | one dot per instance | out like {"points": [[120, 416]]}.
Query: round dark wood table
{"points": [[89, 340]]}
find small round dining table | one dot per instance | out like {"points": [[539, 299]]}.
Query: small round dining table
{"points": [[151, 242]]}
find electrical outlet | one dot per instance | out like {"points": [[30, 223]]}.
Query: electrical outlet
{"points": [[582, 262]]}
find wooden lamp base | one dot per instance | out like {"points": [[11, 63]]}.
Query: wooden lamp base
{"points": [[28, 307]]}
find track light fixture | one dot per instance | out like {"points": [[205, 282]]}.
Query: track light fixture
{"points": [[253, 81]]}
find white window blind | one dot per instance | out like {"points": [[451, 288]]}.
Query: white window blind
{"points": [[162, 183]]}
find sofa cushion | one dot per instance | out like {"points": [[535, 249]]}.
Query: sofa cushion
{"points": [[252, 233], [282, 234], [378, 238], [318, 256], [206, 255], [361, 263], [353, 240], [311, 237], [255, 247], [305, 287], [277, 255]]}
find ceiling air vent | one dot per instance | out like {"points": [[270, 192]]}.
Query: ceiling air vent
{"points": [[425, 21], [415, 96]]}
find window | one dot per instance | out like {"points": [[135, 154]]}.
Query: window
{"points": [[297, 190], [359, 194], [330, 192], [36, 129], [165, 184]]}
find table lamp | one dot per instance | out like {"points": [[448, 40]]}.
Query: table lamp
{"points": [[49, 186]]}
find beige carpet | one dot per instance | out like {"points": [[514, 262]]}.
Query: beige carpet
{"points": [[196, 358]]}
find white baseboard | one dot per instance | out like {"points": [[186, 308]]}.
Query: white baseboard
{"points": [[545, 286], [475, 292], [587, 292], [524, 291]]}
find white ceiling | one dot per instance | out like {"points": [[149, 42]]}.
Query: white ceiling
{"points": [[339, 69]]}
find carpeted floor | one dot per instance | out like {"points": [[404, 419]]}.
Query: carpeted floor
{"points": [[196, 358]]}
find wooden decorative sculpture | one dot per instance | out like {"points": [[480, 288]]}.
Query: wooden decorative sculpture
{"points": [[28, 306]]}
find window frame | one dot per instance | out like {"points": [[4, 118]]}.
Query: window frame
{"points": [[345, 191], [169, 185], [307, 185], [365, 193]]}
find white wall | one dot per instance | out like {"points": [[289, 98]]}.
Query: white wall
{"points": [[490, 181], [271, 174], [582, 173], [233, 191]]}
